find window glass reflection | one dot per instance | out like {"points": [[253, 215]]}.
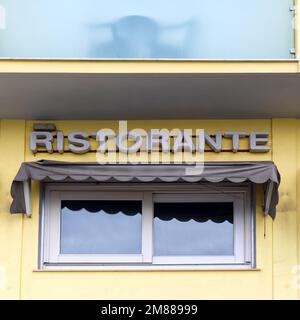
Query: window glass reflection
{"points": [[101, 227], [193, 229]]}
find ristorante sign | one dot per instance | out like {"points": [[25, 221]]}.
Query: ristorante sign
{"points": [[47, 138]]}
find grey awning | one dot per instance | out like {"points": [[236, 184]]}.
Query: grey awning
{"points": [[264, 173]]}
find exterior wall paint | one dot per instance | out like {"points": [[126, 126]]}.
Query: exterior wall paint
{"points": [[213, 66], [278, 242], [12, 146]]}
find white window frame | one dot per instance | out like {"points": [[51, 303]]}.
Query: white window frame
{"points": [[240, 195], [52, 227], [238, 228]]}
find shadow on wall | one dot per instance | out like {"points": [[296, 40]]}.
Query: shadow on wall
{"points": [[138, 36]]}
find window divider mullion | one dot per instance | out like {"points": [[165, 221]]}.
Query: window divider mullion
{"points": [[147, 228]]}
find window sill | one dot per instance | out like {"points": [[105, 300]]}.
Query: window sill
{"points": [[147, 268]]}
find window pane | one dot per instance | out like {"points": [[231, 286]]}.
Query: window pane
{"points": [[101, 227], [193, 229]]}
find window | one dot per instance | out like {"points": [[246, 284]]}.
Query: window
{"points": [[162, 225]]}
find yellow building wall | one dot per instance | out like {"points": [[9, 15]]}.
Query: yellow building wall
{"points": [[285, 256], [277, 249], [12, 146]]}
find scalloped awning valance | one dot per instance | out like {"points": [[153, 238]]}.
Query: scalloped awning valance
{"points": [[264, 172]]}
